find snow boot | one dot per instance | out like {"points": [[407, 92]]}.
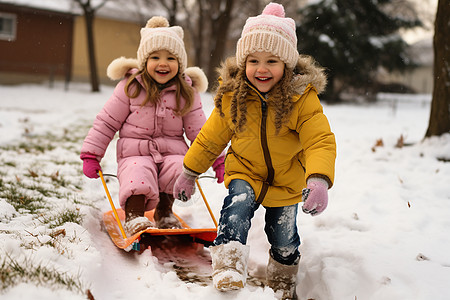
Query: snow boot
{"points": [[229, 263], [164, 217], [283, 278], [135, 220]]}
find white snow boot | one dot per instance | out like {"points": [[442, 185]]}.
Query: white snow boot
{"points": [[135, 220], [164, 217], [282, 278], [229, 263], [133, 226]]}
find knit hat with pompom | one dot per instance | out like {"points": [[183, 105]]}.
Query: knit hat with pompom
{"points": [[269, 32], [157, 35]]}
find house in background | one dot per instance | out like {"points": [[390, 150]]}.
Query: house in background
{"points": [[113, 38], [34, 44], [420, 79], [43, 41]]}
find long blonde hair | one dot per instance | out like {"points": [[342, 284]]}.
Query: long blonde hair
{"points": [[183, 89], [280, 98]]}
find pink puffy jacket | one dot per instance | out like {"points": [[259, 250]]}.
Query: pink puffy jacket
{"points": [[151, 144]]}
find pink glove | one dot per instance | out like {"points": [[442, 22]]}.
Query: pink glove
{"points": [[90, 165], [315, 196], [185, 185], [219, 167]]}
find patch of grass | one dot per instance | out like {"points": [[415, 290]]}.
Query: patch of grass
{"points": [[38, 146], [76, 163], [46, 192], [68, 136], [74, 199], [72, 215], [13, 272], [77, 186], [20, 200], [58, 180], [32, 146], [34, 191], [10, 164]]}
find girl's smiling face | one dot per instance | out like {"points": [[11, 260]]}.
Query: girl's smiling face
{"points": [[264, 70], [162, 66]]}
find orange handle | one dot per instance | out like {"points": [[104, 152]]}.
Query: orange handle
{"points": [[206, 203], [112, 205]]}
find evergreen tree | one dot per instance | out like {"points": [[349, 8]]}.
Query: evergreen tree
{"points": [[353, 38]]}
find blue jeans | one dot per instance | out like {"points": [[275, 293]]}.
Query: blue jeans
{"points": [[281, 223]]}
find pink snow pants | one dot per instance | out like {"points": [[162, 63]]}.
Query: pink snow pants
{"points": [[140, 175]]}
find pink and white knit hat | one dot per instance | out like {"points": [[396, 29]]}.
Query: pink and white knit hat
{"points": [[157, 35], [269, 32]]}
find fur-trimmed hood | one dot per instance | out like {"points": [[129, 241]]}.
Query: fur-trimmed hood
{"points": [[307, 71], [121, 66]]}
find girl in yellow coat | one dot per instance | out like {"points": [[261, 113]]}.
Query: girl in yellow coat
{"points": [[281, 146]]}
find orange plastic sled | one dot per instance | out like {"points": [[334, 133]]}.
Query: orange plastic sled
{"points": [[199, 235], [114, 219]]}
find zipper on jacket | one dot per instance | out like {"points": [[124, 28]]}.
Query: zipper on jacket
{"points": [[265, 148]]}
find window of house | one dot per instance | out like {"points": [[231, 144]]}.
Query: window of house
{"points": [[7, 26]]}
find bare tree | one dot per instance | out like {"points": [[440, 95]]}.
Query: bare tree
{"points": [[207, 23], [220, 24], [89, 15], [440, 106], [211, 26], [171, 7], [214, 26]]}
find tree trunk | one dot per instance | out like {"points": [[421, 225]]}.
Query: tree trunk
{"points": [[440, 106], [89, 18], [219, 32], [199, 41], [171, 8]]}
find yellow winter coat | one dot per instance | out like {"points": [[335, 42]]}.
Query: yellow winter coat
{"points": [[275, 165]]}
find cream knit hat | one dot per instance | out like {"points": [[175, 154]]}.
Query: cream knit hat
{"points": [[157, 35], [269, 32]]}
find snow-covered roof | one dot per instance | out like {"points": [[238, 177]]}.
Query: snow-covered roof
{"points": [[422, 52], [124, 10], [66, 6]]}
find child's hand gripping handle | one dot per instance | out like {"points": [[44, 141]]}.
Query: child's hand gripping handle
{"points": [[91, 165], [185, 185]]}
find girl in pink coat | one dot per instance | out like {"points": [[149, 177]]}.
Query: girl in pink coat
{"points": [[155, 104]]}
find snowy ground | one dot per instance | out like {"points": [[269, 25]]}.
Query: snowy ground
{"points": [[383, 236]]}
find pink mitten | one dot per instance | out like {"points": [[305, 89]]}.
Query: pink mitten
{"points": [[185, 185], [90, 165], [219, 167], [315, 196]]}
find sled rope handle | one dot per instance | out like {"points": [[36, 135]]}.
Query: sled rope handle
{"points": [[112, 205], [206, 203]]}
